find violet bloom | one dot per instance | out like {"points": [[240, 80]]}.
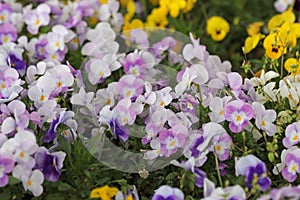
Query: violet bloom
{"points": [[9, 85], [130, 87], [291, 159], [49, 163], [254, 170], [119, 130], [166, 44], [264, 118], [8, 33], [166, 192], [195, 51], [210, 192], [285, 192], [36, 18], [222, 146], [238, 113], [134, 64], [15, 62], [63, 117], [6, 166], [171, 140], [292, 135]]}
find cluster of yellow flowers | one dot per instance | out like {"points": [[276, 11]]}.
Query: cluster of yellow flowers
{"points": [[158, 16], [282, 36]]}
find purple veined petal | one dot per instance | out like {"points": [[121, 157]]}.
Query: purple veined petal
{"points": [[228, 111], [243, 163], [247, 109], [264, 183], [235, 128], [3, 180], [235, 80], [288, 176]]}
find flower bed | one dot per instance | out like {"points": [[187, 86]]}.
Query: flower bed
{"points": [[121, 100]]}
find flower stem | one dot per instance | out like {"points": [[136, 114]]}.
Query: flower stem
{"points": [[218, 170]]}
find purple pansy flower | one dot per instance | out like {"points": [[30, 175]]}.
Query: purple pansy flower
{"points": [[223, 146], [292, 165], [292, 135], [15, 62], [166, 192], [8, 33], [6, 166], [285, 192], [195, 51], [264, 118], [210, 192], [63, 117], [49, 163], [134, 64], [172, 139], [254, 170], [130, 87], [238, 113]]}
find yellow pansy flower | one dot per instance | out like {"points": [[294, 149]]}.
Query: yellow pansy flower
{"points": [[158, 18], [105, 192], [251, 42], [130, 6], [254, 28], [273, 46], [287, 37], [135, 23], [292, 65], [174, 6], [278, 20], [124, 2], [189, 6], [217, 27]]}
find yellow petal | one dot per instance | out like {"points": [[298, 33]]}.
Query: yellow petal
{"points": [[251, 42], [292, 66], [254, 28]]}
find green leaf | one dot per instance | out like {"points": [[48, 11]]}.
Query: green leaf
{"points": [[5, 195], [13, 180], [64, 187], [171, 176], [64, 144], [55, 196]]}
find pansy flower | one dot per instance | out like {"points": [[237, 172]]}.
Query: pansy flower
{"points": [[166, 192], [49, 163], [254, 170], [238, 113], [217, 27], [292, 66], [292, 135]]}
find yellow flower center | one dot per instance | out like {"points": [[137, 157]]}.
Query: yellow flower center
{"points": [[221, 113], [29, 183], [101, 73], [172, 143], [37, 22], [108, 101], [294, 168], [263, 123], [59, 84], [6, 39], [42, 98], [128, 93], [238, 118], [296, 137], [3, 86], [22, 155], [218, 148]]}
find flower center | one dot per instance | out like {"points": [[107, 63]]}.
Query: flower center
{"points": [[263, 123], [37, 22], [29, 183], [59, 84], [6, 39], [275, 49], [239, 118], [42, 98], [172, 143], [296, 137], [22, 155], [3, 86], [218, 148], [221, 113], [108, 101]]}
